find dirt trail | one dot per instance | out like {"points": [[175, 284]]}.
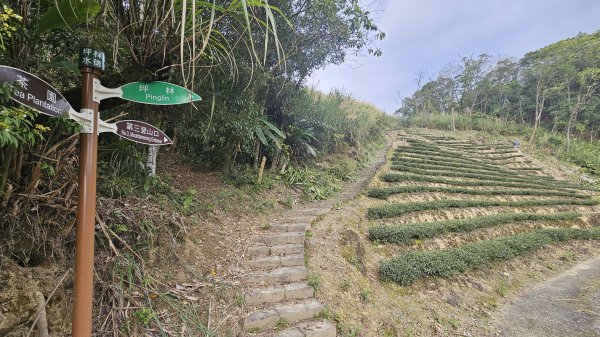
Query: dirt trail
{"points": [[565, 305]]}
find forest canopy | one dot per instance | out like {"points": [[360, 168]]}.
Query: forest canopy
{"points": [[555, 87]]}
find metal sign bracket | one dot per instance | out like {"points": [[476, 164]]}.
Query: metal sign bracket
{"points": [[106, 127], [84, 118], [101, 92]]}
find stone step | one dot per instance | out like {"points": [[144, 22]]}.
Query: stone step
{"points": [[283, 228], [321, 328], [271, 262], [290, 313], [308, 211], [281, 239], [296, 219], [276, 276], [288, 292], [277, 250]]}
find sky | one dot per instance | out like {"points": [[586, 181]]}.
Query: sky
{"points": [[422, 36]]}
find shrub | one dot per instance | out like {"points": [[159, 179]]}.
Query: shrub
{"points": [[392, 210], [404, 234], [505, 157], [425, 160], [382, 193], [465, 174], [397, 164], [407, 268], [395, 177]]}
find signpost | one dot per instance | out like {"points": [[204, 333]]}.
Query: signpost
{"points": [[35, 93], [155, 93]]}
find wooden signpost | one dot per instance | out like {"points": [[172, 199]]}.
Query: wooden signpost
{"points": [[35, 93]]}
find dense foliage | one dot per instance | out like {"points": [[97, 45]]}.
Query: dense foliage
{"points": [[556, 87], [248, 60]]}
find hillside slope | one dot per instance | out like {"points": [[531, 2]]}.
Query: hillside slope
{"points": [[450, 228]]}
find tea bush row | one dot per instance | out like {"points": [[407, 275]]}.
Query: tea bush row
{"points": [[461, 174], [500, 151], [392, 210], [399, 166], [505, 157], [430, 152], [463, 164], [407, 268], [395, 177], [404, 234], [438, 159], [383, 193]]}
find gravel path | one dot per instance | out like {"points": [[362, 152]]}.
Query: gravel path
{"points": [[565, 305]]}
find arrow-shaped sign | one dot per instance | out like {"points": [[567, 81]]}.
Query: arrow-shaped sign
{"points": [[40, 96], [141, 132], [34, 92], [156, 93]]}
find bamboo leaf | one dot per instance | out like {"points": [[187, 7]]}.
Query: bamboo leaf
{"points": [[67, 13]]}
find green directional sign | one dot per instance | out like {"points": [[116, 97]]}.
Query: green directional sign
{"points": [[159, 93]]}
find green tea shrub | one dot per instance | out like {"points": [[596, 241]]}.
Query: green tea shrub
{"points": [[392, 210], [396, 177], [404, 234], [409, 267], [383, 193]]}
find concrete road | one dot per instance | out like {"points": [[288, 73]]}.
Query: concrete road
{"points": [[566, 305]]}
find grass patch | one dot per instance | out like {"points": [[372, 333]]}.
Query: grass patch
{"points": [[407, 268], [314, 281], [405, 234], [383, 193], [392, 210]]}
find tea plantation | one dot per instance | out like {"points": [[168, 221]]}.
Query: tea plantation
{"points": [[483, 186]]}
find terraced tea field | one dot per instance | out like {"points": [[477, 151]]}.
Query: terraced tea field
{"points": [[438, 186], [447, 232]]}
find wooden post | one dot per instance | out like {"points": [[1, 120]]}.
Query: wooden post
{"points": [[261, 169], [86, 211]]}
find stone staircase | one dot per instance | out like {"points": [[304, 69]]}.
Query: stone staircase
{"points": [[279, 299]]}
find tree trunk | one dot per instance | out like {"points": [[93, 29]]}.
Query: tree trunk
{"points": [[5, 170], [540, 99]]}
